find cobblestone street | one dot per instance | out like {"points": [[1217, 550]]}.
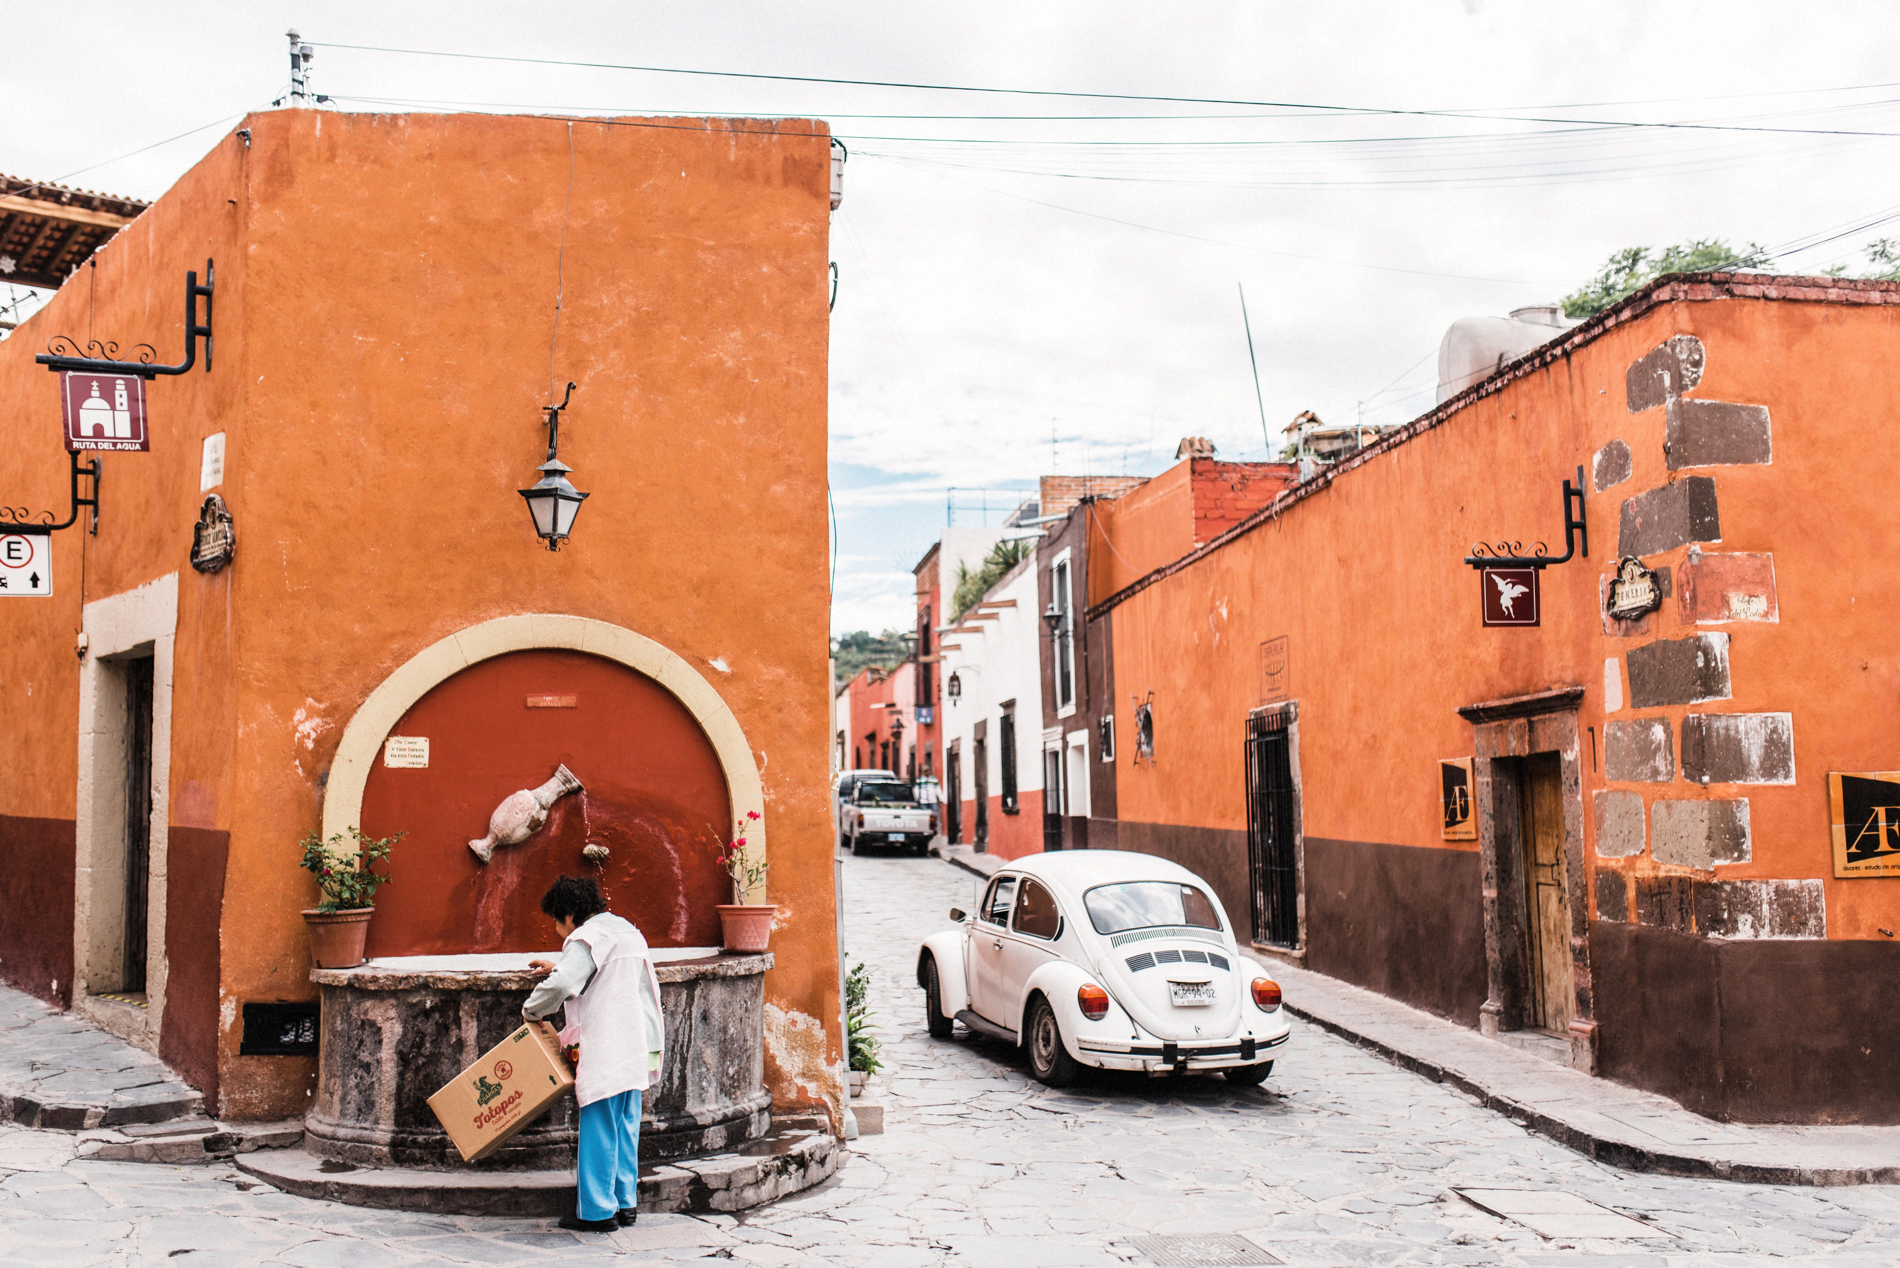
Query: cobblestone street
{"points": [[1339, 1159]]}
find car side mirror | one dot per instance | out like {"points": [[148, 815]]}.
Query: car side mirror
{"points": [[957, 914]]}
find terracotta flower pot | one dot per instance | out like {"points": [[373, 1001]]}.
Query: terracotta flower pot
{"points": [[746, 926], [337, 937]]}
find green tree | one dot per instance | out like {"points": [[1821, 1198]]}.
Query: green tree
{"points": [[973, 585], [860, 648], [1632, 268]]}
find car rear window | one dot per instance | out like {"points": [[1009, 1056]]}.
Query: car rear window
{"points": [[1145, 904], [885, 792]]}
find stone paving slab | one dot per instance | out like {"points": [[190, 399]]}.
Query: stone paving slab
{"points": [[1600, 1118], [60, 1073]]}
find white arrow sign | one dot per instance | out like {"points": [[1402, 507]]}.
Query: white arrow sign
{"points": [[26, 568]]}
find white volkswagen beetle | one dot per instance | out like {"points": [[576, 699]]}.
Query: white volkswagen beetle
{"points": [[1105, 958]]}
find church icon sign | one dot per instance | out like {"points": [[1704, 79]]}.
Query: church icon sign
{"points": [[104, 411]]}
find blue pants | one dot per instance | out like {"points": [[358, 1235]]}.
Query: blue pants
{"points": [[609, 1171]]}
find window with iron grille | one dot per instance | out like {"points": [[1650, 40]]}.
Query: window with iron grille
{"points": [[1271, 815], [1006, 752], [1064, 635]]}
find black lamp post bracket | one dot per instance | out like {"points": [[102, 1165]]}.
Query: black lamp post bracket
{"points": [[1507, 554], [14, 520], [63, 353]]}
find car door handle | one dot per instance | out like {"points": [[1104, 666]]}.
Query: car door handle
{"points": [[997, 943]]}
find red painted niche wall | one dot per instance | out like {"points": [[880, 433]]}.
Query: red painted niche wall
{"points": [[654, 795]]}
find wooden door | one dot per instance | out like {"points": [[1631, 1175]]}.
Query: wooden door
{"points": [[1546, 894], [138, 821]]}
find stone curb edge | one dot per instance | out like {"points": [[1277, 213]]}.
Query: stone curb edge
{"points": [[28, 1111], [1616, 1153]]}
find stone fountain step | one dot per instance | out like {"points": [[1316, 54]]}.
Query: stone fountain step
{"points": [[796, 1154], [59, 1073], [186, 1140]]}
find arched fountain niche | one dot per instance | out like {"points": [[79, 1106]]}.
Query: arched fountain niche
{"points": [[663, 770]]}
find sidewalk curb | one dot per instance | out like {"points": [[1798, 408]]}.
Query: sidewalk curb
{"points": [[25, 1110], [1616, 1153]]}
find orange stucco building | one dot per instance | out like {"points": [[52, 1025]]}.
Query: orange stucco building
{"points": [[395, 297], [1613, 832]]}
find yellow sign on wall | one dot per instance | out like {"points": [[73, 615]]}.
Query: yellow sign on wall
{"points": [[1864, 817]]}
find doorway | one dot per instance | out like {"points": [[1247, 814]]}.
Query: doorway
{"points": [[1272, 818], [1052, 809], [980, 784], [138, 825], [953, 793], [1549, 993]]}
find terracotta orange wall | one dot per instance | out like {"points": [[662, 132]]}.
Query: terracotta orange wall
{"points": [[385, 306], [1011, 835], [1149, 526], [1365, 578]]}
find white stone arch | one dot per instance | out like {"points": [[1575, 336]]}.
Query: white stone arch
{"points": [[397, 694]]}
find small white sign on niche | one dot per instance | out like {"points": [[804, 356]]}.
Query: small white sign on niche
{"points": [[406, 751], [211, 470]]}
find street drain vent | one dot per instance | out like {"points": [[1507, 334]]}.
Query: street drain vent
{"points": [[1213, 1250]]}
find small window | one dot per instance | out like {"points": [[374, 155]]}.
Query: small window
{"points": [[1144, 732], [996, 904], [1036, 912], [1105, 730]]}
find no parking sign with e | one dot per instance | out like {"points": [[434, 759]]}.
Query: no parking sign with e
{"points": [[26, 569]]}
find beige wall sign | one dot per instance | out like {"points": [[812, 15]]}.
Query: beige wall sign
{"points": [[1275, 678], [1454, 786], [1864, 816], [410, 752]]}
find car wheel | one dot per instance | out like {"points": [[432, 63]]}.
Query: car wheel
{"points": [[1049, 1060], [940, 1026], [1249, 1075], [854, 846]]}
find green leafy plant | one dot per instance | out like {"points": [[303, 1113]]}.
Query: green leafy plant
{"points": [[972, 586], [343, 868], [1630, 269], [861, 1043]]}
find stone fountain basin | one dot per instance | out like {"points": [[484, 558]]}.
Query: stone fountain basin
{"points": [[396, 1029]]}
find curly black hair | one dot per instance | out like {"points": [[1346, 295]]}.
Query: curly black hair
{"points": [[574, 898]]}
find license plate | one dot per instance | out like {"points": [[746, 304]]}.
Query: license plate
{"points": [[1191, 993], [895, 836]]}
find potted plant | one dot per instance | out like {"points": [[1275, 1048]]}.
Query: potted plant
{"points": [[862, 1044], [343, 865], [744, 926]]}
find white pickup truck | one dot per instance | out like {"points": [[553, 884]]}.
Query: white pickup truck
{"points": [[888, 813]]}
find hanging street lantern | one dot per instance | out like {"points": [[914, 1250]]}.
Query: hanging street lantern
{"points": [[553, 502]]}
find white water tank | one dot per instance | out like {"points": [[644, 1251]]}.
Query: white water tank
{"points": [[1475, 348]]}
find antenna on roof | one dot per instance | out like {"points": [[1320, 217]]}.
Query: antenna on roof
{"points": [[1255, 362], [301, 55]]}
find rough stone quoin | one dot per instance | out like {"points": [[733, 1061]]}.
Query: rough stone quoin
{"points": [[1611, 466], [1717, 433], [1761, 909], [1639, 750], [1613, 896], [1664, 373], [1619, 823], [1699, 834], [1723, 588], [1671, 516], [1738, 748], [1679, 671]]}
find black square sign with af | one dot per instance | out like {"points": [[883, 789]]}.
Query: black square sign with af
{"points": [[1510, 596]]}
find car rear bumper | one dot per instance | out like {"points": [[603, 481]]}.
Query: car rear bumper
{"points": [[1162, 1057]]}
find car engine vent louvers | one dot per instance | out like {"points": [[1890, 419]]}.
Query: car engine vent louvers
{"points": [[1194, 957], [1136, 963], [1167, 957], [1218, 961]]}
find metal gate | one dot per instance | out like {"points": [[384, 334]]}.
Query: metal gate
{"points": [[1272, 872]]}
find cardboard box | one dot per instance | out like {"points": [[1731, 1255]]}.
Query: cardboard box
{"points": [[508, 1088]]}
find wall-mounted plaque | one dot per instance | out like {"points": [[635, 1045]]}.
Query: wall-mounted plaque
{"points": [[1633, 591], [410, 752], [1454, 786], [1274, 682], [213, 537], [1864, 815]]}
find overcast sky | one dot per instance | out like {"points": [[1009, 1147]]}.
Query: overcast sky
{"points": [[1055, 292]]}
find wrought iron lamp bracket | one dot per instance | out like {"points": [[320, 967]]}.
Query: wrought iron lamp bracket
{"points": [[554, 422], [63, 353], [13, 520], [1506, 554]]}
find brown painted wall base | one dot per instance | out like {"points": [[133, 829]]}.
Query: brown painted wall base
{"points": [[1216, 855], [194, 912], [1402, 920], [36, 919], [1770, 1031]]}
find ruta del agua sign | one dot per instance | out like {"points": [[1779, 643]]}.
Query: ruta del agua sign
{"points": [[104, 411]]}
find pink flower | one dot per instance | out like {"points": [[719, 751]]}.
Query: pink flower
{"points": [[751, 814], [326, 871], [738, 845]]}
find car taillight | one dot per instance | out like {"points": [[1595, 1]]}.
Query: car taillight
{"points": [[1093, 1001], [933, 823], [1266, 994], [860, 818]]}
